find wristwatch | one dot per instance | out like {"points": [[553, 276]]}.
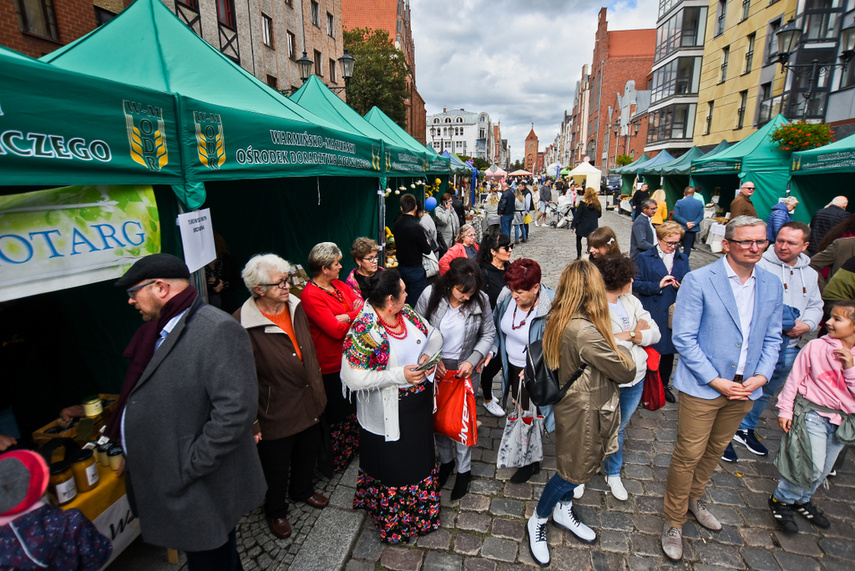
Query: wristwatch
{"points": [[632, 335]]}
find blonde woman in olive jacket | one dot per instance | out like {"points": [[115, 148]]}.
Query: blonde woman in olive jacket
{"points": [[578, 331]]}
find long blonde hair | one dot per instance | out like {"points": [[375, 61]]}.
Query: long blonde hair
{"points": [[581, 293], [591, 198]]}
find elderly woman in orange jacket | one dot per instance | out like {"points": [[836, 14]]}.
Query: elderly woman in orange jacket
{"points": [[464, 247]]}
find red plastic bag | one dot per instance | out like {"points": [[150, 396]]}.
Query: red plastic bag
{"points": [[653, 393], [455, 409]]}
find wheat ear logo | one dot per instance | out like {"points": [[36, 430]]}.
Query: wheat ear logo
{"points": [[210, 141], [375, 157], [146, 134]]}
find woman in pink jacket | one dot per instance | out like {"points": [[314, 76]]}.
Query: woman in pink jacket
{"points": [[818, 397], [464, 247]]}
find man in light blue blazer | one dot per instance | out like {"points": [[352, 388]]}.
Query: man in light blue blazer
{"points": [[727, 330], [689, 212]]}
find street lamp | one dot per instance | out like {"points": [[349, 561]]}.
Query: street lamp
{"points": [[788, 39], [346, 63], [305, 67]]}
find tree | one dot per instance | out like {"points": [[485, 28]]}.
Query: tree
{"points": [[623, 160], [517, 165], [379, 75], [477, 162]]}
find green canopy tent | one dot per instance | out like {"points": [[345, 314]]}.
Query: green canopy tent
{"points": [[818, 175], [755, 158], [672, 182], [235, 128], [653, 180], [629, 173]]}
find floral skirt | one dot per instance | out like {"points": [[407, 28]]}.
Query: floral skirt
{"points": [[345, 442], [397, 482]]}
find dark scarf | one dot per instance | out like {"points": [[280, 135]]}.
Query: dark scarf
{"points": [[140, 351]]}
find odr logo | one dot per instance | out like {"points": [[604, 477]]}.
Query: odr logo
{"points": [[210, 141], [146, 134]]}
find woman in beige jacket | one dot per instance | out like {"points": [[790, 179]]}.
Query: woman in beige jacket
{"points": [[578, 332]]}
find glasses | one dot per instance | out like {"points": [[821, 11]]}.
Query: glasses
{"points": [[748, 187], [671, 243], [282, 285], [508, 248], [746, 244], [132, 291], [372, 259]]}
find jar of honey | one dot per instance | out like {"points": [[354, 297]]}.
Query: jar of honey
{"points": [[115, 456], [92, 406], [85, 470], [103, 449], [61, 484]]}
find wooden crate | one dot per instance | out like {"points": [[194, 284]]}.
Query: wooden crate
{"points": [[42, 436]]}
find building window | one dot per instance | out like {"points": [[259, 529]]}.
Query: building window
{"points": [[721, 16], [725, 56], [448, 119], [330, 25], [709, 118], [740, 113], [749, 55], [683, 29], [333, 77], [194, 4], [316, 14], [102, 16], [821, 18], [482, 134], [746, 8], [272, 81], [318, 63], [769, 106], [436, 120], [38, 17], [460, 119], [267, 30], [678, 77], [773, 40], [672, 122], [848, 79], [292, 45], [226, 13]]}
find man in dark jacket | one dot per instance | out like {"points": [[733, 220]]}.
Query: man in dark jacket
{"points": [[410, 243], [185, 414], [643, 235], [638, 199], [506, 209], [689, 212], [825, 219]]}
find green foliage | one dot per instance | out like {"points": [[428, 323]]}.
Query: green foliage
{"points": [[517, 165], [379, 74], [623, 160], [802, 136], [479, 163]]}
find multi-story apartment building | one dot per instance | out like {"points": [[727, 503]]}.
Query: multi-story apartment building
{"points": [[740, 83], [631, 116], [461, 132], [36, 28], [392, 16], [619, 56], [680, 32], [579, 123]]}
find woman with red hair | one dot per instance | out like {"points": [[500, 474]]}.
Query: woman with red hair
{"points": [[520, 318]]}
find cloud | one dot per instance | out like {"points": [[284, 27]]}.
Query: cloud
{"points": [[517, 60]]}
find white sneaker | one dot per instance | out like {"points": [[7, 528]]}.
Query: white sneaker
{"points": [[536, 528], [579, 491], [494, 408], [564, 516], [537, 223], [618, 491]]}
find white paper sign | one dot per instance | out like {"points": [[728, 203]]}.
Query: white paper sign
{"points": [[119, 525], [197, 237]]}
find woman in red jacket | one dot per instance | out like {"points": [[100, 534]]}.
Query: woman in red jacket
{"points": [[331, 305]]}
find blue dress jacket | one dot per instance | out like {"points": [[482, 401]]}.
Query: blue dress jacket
{"points": [[651, 270]]}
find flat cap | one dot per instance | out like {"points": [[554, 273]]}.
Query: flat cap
{"points": [[155, 266]]}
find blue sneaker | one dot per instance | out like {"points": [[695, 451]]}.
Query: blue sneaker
{"points": [[730, 454]]}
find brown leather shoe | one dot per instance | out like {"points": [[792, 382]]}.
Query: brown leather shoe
{"points": [[280, 527], [318, 501]]}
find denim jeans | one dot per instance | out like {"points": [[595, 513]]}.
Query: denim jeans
{"points": [[824, 448], [557, 489], [505, 225], [785, 362], [518, 229], [688, 241], [630, 397]]}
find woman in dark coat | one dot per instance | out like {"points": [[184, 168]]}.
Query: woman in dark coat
{"points": [[585, 219], [660, 272]]}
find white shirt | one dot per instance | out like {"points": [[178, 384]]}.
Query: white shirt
{"points": [[453, 331], [516, 340], [667, 259], [744, 295]]}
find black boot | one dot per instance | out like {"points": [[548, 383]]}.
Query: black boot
{"points": [[524, 473], [445, 471], [461, 485], [669, 396]]}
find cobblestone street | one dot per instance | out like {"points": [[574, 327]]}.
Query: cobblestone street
{"points": [[485, 530]]}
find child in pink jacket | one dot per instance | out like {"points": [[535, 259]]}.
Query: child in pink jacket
{"points": [[818, 396]]}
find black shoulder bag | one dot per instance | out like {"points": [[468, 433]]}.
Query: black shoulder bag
{"points": [[541, 382]]}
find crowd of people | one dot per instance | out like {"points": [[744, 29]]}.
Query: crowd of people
{"points": [[249, 406]]}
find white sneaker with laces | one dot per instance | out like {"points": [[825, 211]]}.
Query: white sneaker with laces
{"points": [[494, 408], [565, 516], [616, 486], [579, 491], [536, 528]]}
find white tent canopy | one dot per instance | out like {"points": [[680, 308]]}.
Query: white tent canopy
{"points": [[588, 173]]}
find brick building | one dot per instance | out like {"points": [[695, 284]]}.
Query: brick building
{"points": [[37, 28], [619, 56], [393, 16], [530, 158]]}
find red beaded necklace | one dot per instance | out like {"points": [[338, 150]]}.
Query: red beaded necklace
{"points": [[398, 324], [514, 317], [334, 293]]}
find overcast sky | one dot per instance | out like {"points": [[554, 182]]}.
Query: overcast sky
{"points": [[518, 60]]}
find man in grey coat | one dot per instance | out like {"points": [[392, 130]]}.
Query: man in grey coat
{"points": [[185, 414]]}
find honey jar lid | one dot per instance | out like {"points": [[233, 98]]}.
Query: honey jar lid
{"points": [[59, 467]]}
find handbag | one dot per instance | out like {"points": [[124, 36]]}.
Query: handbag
{"points": [[527, 219], [541, 382], [653, 392], [455, 409], [430, 264], [522, 442]]}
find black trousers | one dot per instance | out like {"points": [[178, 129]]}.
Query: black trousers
{"points": [[223, 558], [289, 464], [666, 365], [488, 374]]}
